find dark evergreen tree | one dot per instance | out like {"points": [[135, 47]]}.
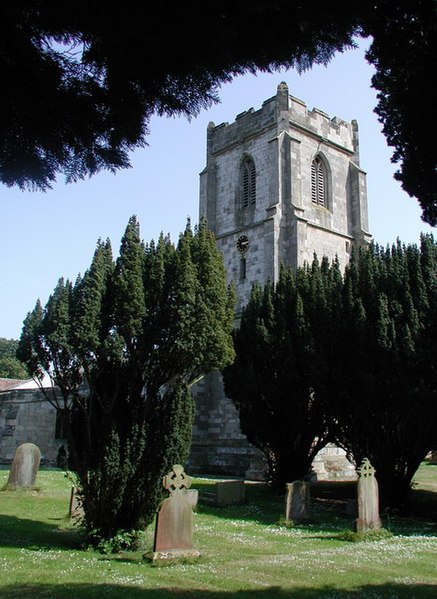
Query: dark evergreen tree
{"points": [[123, 346], [403, 52], [384, 388], [277, 378], [10, 365], [322, 357]]}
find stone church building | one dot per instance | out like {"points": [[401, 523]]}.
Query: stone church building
{"points": [[281, 184]]}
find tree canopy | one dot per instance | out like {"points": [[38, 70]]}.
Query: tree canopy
{"points": [[276, 378], [321, 357], [383, 374], [10, 366], [123, 345], [80, 81]]}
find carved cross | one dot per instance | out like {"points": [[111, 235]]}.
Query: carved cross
{"points": [[176, 480], [366, 470]]}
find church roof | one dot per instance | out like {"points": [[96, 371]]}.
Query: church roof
{"points": [[19, 384], [7, 384]]}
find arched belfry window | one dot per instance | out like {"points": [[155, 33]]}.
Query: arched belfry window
{"points": [[248, 181], [319, 182]]}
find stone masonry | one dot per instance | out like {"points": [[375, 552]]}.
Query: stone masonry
{"points": [[27, 417], [282, 225]]}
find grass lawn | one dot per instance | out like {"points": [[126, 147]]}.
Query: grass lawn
{"points": [[245, 552]]}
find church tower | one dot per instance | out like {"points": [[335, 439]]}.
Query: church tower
{"points": [[281, 184]]}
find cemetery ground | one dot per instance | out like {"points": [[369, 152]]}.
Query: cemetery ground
{"points": [[246, 551]]}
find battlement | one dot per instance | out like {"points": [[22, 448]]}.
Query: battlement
{"points": [[335, 129], [284, 111]]}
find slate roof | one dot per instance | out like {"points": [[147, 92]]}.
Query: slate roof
{"points": [[23, 384], [7, 384]]}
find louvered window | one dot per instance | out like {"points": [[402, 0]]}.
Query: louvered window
{"points": [[249, 183], [318, 182]]}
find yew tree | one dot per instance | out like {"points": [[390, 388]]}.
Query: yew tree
{"points": [[384, 376], [324, 357], [278, 378], [123, 344]]}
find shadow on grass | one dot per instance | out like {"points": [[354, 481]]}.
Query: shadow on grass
{"points": [[21, 532], [329, 501], [424, 503], [87, 591], [266, 505]]}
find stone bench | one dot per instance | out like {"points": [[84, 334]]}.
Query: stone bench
{"points": [[224, 492]]}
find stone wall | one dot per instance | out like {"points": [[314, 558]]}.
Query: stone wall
{"points": [[331, 463], [219, 447], [27, 417]]}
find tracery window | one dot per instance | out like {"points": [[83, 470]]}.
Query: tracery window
{"points": [[248, 183], [319, 184]]}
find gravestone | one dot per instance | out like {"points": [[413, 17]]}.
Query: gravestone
{"points": [[24, 467], [174, 521], [367, 499], [297, 501], [230, 492], [193, 497]]}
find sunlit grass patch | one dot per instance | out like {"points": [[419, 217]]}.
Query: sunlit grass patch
{"points": [[245, 553]]}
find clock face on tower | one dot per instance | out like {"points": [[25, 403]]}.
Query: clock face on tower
{"points": [[243, 244]]}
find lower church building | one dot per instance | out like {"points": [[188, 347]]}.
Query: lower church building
{"points": [[281, 184], [27, 417]]}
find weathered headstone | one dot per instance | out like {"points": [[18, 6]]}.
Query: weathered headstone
{"points": [[230, 492], [24, 467], [174, 521], [367, 499], [297, 501]]}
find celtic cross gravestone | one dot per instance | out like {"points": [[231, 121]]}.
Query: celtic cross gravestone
{"points": [[174, 520]]}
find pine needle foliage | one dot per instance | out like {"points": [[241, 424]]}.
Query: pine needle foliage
{"points": [[80, 85], [122, 346]]}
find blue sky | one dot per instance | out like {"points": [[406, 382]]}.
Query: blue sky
{"points": [[44, 236]]}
